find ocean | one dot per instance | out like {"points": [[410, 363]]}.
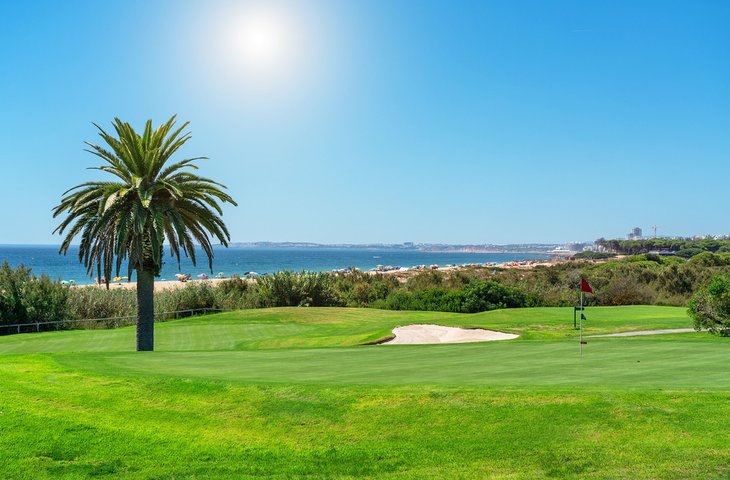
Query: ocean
{"points": [[45, 260]]}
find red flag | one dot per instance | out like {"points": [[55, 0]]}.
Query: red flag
{"points": [[584, 287]]}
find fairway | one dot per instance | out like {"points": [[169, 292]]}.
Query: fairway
{"points": [[294, 393]]}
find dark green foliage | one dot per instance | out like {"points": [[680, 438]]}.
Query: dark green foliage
{"points": [[633, 247], [359, 289], [292, 289], [11, 284], [478, 296], [689, 252], [25, 298], [490, 295], [432, 299], [593, 255], [677, 279], [710, 306], [707, 259]]}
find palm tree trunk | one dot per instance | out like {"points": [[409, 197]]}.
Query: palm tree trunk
{"points": [[145, 311]]}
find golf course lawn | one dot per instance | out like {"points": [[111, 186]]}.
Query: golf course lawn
{"points": [[292, 393]]}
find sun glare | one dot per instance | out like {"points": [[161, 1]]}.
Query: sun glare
{"points": [[265, 55], [261, 41]]}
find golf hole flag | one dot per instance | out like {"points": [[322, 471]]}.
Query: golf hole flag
{"points": [[584, 288]]}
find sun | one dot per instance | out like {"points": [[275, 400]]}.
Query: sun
{"points": [[269, 55], [262, 42]]}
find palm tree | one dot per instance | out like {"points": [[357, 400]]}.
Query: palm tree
{"points": [[147, 203]]}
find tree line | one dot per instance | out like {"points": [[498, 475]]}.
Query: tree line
{"points": [[685, 248]]}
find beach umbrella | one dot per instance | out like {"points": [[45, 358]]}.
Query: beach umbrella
{"points": [[203, 276], [220, 275]]}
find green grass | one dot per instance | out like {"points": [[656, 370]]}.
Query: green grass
{"points": [[276, 328], [289, 393]]}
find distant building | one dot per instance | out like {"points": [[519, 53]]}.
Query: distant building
{"points": [[635, 234], [576, 246]]}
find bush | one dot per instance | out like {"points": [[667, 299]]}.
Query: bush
{"points": [[290, 289], [432, 299], [677, 280], [689, 252], [478, 296], [234, 293], [593, 255], [94, 302], [626, 291], [425, 280], [710, 306], [707, 259], [490, 295], [25, 298], [193, 296], [359, 289]]}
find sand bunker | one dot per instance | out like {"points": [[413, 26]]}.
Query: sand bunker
{"points": [[427, 334]]}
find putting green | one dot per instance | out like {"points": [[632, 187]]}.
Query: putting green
{"points": [[672, 364]]}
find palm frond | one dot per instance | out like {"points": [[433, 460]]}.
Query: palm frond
{"points": [[150, 202]]}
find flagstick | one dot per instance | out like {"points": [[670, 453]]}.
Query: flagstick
{"points": [[581, 323]]}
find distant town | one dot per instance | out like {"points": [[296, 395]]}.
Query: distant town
{"points": [[422, 247], [636, 233]]}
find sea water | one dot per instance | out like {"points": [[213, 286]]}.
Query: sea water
{"points": [[45, 260]]}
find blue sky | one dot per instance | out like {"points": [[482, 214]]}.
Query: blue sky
{"points": [[387, 121]]}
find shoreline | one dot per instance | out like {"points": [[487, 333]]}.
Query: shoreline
{"points": [[402, 274]]}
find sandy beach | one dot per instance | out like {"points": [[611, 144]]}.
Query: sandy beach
{"points": [[160, 285]]}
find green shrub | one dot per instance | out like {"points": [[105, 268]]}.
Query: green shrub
{"points": [[291, 289], [706, 259], [593, 255], [425, 279], [490, 295], [193, 296], [626, 291], [689, 252], [95, 302], [677, 279], [11, 287], [431, 299], [235, 293], [25, 298], [360, 289], [478, 296], [710, 306]]}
